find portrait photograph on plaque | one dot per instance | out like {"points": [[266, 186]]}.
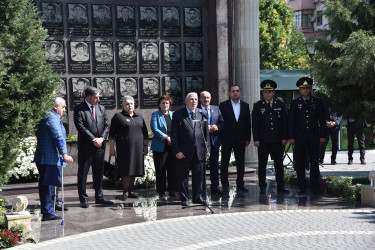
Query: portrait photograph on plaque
{"points": [[172, 85], [53, 18], [79, 59], [192, 22], [148, 23], [150, 92], [125, 21], [60, 90], [149, 56], [78, 24], [106, 86], [194, 84], [103, 62], [171, 52], [126, 57], [77, 90], [127, 86], [193, 56], [102, 20], [171, 21], [56, 56]]}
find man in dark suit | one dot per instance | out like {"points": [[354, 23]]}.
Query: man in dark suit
{"points": [[50, 155], [333, 123], [307, 128], [169, 20], [149, 20], [125, 20], [189, 134], [91, 122], [235, 136], [357, 129], [215, 125], [270, 134]]}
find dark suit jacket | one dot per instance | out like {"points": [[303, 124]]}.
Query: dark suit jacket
{"points": [[235, 131], [218, 120], [186, 133], [89, 129], [130, 22]]}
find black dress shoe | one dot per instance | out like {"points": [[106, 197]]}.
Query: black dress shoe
{"points": [[84, 204], [103, 201], [282, 190], [184, 203], [52, 217], [217, 191], [242, 188], [132, 195], [58, 207], [333, 162], [124, 197], [350, 162], [363, 162]]}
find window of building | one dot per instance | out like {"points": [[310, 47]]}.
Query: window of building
{"points": [[303, 18], [319, 18]]}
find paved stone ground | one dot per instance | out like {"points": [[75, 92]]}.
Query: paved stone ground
{"points": [[241, 221], [300, 229]]}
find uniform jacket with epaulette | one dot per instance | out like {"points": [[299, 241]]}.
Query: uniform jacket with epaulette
{"points": [[306, 122], [269, 123]]}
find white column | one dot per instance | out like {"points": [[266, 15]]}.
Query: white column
{"points": [[247, 74]]}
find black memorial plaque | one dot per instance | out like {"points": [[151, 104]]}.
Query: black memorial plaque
{"points": [[103, 62], [148, 23], [55, 53], [171, 56], [125, 21], [53, 18], [192, 22], [194, 84], [193, 56], [126, 57], [102, 20], [77, 90], [150, 92], [150, 56], [60, 90], [78, 24], [127, 86], [171, 21], [172, 85], [79, 60], [106, 86]]}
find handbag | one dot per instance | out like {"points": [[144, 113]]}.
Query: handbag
{"points": [[111, 171]]}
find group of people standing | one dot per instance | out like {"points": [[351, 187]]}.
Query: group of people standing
{"points": [[183, 140]]}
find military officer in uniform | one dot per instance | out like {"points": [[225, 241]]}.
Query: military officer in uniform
{"points": [[270, 134], [307, 129]]}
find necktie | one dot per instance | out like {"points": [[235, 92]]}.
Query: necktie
{"points": [[269, 104], [208, 115], [93, 112], [192, 115]]}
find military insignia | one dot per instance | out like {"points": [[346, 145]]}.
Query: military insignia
{"points": [[128, 120], [278, 115], [300, 105], [277, 109], [262, 110]]}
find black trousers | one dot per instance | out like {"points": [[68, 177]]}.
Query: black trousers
{"points": [[276, 150], [94, 158], [239, 154], [359, 132], [164, 167], [214, 167], [301, 150], [334, 134], [198, 178]]}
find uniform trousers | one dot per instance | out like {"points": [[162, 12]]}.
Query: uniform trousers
{"points": [[198, 178], [311, 148], [276, 150], [359, 132], [334, 134]]}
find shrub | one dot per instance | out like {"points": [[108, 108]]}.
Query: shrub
{"points": [[8, 238]]}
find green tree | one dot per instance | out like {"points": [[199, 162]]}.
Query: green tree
{"points": [[344, 65], [281, 44], [26, 80]]}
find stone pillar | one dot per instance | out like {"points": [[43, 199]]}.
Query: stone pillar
{"points": [[246, 49]]}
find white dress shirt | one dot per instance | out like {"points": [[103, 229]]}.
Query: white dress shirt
{"points": [[236, 109]]}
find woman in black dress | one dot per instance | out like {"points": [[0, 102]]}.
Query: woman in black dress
{"points": [[129, 133]]}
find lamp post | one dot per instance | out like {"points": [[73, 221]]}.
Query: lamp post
{"points": [[310, 47]]}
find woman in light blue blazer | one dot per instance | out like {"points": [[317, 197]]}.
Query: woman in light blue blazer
{"points": [[161, 148]]}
